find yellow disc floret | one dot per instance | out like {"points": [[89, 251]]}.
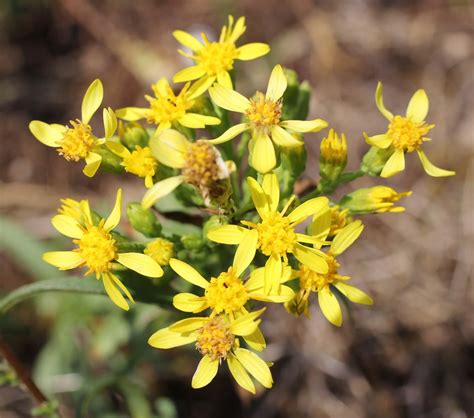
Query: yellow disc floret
{"points": [[214, 339], [310, 280], [161, 250], [263, 113], [226, 293], [77, 142], [216, 57], [166, 106], [276, 236], [140, 162], [97, 248], [406, 134], [201, 168]]}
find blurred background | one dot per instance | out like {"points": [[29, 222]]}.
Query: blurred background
{"points": [[410, 355]]}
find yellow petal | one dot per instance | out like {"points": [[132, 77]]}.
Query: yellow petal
{"points": [[255, 366], [188, 325], [330, 306], [191, 121], [205, 372], [148, 181], [276, 85], [110, 122], [224, 79], [245, 251], [313, 260], [160, 189], [239, 374], [237, 31], [262, 156], [228, 99], [354, 294], [141, 263], [45, 133], [418, 106], [379, 102], [92, 100], [121, 286], [256, 340], [188, 273], [394, 165], [199, 87], [118, 149], [379, 141], [165, 338], [346, 237], [431, 169], [321, 224], [271, 188], [170, 148], [251, 51], [114, 293], [227, 234], [285, 294], [273, 271], [190, 73], [131, 113], [204, 119], [259, 198], [308, 208], [187, 302], [93, 162], [114, 217], [246, 324], [187, 40], [67, 226], [302, 126], [283, 138], [230, 133], [63, 260]]}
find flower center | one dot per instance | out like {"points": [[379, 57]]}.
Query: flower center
{"points": [[339, 219], [406, 134], [263, 113], [161, 250], [214, 339], [77, 142], [97, 248], [217, 57], [276, 235], [201, 168], [140, 162], [226, 293], [310, 280], [166, 106]]}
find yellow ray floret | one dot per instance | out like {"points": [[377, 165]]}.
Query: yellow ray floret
{"points": [[214, 60], [78, 142], [263, 113], [97, 250], [217, 339], [405, 134]]}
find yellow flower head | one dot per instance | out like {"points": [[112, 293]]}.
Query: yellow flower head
{"points": [[97, 250], [322, 283], [161, 250], [217, 338], [263, 113], [168, 109], [405, 134], [78, 141], [275, 235], [378, 199], [334, 149], [214, 60], [201, 165]]}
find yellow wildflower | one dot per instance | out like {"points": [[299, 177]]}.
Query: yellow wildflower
{"points": [[200, 163], [328, 223], [264, 120], [217, 339], [405, 134], [378, 199], [97, 250], [78, 141], [333, 156], [161, 250], [214, 60], [168, 109], [275, 235]]}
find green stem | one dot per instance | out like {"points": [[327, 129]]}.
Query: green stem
{"points": [[327, 187]]}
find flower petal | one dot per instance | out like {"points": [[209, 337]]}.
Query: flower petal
{"points": [[228, 99], [131, 114], [346, 237], [313, 260], [230, 133], [224, 79], [188, 325], [276, 85], [256, 340], [118, 149], [354, 294], [141, 263], [161, 189], [380, 141], [271, 188], [283, 138], [188, 74], [255, 366], [191, 121], [63, 260], [379, 102], [246, 324], [205, 372], [330, 306], [227, 234], [418, 106], [262, 156], [188, 273], [114, 293], [187, 302], [110, 122], [308, 208], [200, 87], [394, 164], [273, 272], [67, 226], [165, 338], [239, 374], [45, 133], [302, 126], [431, 169], [251, 51], [93, 162], [259, 198], [92, 100], [169, 148], [187, 40], [245, 251], [114, 217]]}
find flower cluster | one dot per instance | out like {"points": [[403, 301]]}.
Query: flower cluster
{"points": [[284, 247]]}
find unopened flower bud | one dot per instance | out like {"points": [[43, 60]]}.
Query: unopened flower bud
{"points": [[143, 220], [161, 250], [333, 157], [192, 241], [374, 160], [132, 134], [378, 199]]}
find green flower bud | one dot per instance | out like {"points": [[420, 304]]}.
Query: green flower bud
{"points": [[110, 161], [132, 134], [143, 220], [192, 241], [378, 199], [333, 156], [374, 160]]}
